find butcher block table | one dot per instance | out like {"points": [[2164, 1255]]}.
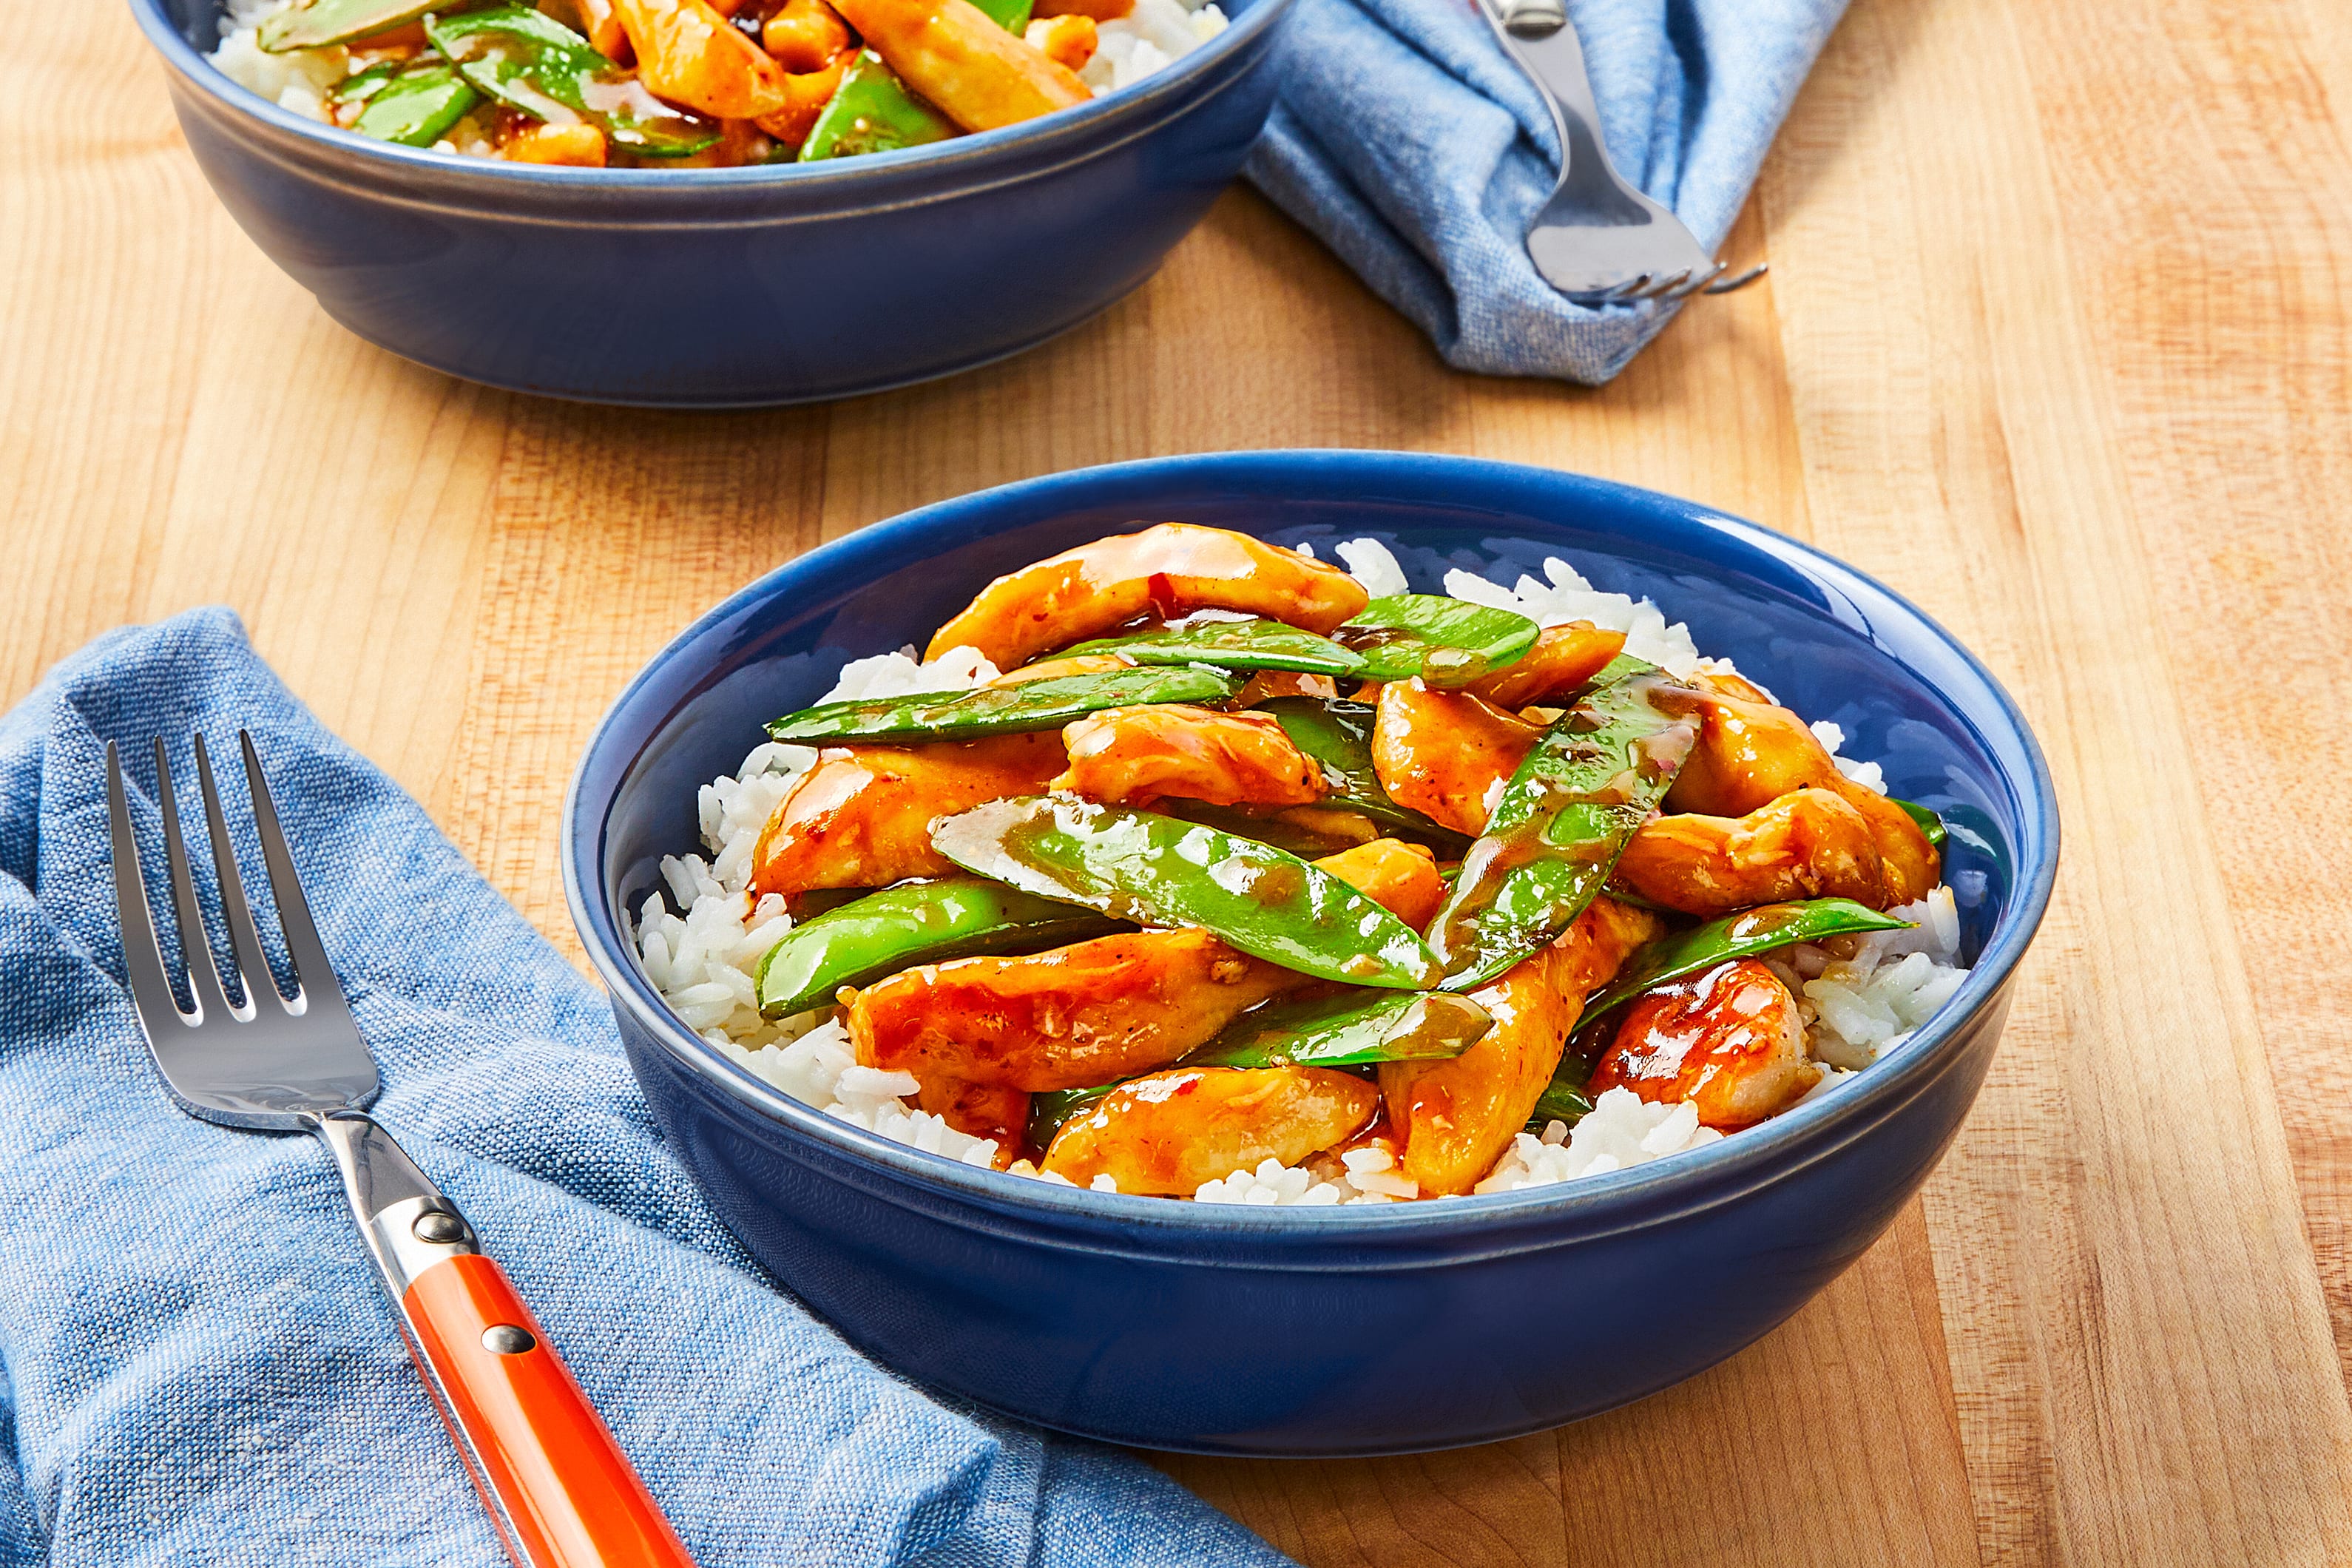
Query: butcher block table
{"points": [[2057, 341]]}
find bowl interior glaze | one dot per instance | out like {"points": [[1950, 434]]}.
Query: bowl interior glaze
{"points": [[1830, 642]]}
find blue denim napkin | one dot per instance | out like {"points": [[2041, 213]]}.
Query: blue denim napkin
{"points": [[1409, 142], [199, 1366]]}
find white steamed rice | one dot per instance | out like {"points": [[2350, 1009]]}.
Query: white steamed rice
{"points": [[298, 81], [1860, 996], [1155, 33]]}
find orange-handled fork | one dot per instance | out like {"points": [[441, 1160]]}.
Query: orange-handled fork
{"points": [[558, 1486]]}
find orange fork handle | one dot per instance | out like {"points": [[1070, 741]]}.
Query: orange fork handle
{"points": [[563, 1494]]}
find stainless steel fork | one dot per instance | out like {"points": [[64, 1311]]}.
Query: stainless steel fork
{"points": [[1597, 240], [558, 1486]]}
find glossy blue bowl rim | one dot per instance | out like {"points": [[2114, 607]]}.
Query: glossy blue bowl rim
{"points": [[1631, 1198], [1075, 128]]}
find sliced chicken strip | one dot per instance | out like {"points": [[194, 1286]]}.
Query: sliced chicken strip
{"points": [[1809, 844], [1456, 1117], [861, 816], [1564, 659], [689, 53], [1170, 1131], [1729, 1041], [1444, 753], [955, 55], [1169, 569], [1751, 753], [981, 1110], [1138, 754]]}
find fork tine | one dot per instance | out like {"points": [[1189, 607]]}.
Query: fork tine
{"points": [[142, 956], [312, 971], [1664, 285], [1698, 278], [1730, 284], [195, 944], [242, 936]]}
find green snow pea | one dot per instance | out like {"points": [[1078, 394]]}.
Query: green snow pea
{"points": [[414, 105], [1054, 1109], [1930, 822], [1001, 710], [1564, 1097], [1163, 871], [1277, 828], [1447, 642], [1352, 1029], [916, 922], [1337, 736], [1563, 820], [1251, 644], [1012, 16], [872, 111], [530, 61], [814, 901], [1751, 931], [361, 86], [324, 22]]}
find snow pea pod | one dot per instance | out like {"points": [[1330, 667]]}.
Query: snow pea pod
{"points": [[1447, 642], [872, 111], [1163, 871], [1925, 816], [1249, 644], [324, 22], [916, 922], [1337, 735], [1051, 1111], [413, 105], [361, 86], [1760, 930], [1012, 16], [529, 60], [1354, 1028], [1297, 829], [1564, 1097], [1563, 820], [1001, 710]]}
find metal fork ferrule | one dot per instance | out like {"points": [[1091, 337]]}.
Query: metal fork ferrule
{"points": [[388, 1197], [401, 1254]]}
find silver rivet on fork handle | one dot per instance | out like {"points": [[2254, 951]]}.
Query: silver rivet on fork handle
{"points": [[1534, 18]]}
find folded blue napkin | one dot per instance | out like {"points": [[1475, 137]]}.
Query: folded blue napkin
{"points": [[1409, 142], [199, 1366]]}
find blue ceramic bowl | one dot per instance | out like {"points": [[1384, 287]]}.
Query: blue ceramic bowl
{"points": [[723, 288], [1326, 1330]]}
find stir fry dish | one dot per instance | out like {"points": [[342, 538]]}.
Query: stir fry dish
{"points": [[695, 83], [1217, 873]]}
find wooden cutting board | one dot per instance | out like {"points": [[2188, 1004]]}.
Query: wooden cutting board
{"points": [[2058, 340]]}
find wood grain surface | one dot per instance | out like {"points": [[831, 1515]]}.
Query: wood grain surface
{"points": [[2058, 340]]}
